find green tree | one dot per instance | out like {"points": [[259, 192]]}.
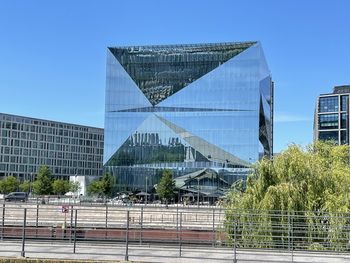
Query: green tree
{"points": [[74, 187], [43, 183], [25, 186], [315, 179], [60, 186], [9, 184], [95, 188], [166, 186], [108, 183], [103, 186]]}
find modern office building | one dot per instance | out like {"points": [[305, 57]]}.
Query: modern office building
{"points": [[67, 149], [331, 120], [205, 111]]}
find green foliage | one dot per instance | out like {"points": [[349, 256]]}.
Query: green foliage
{"points": [[74, 187], [25, 186], [95, 188], [61, 187], [315, 179], [102, 186], [107, 184], [43, 183], [9, 184], [166, 186]]}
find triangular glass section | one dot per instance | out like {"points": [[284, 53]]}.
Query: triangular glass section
{"points": [[230, 86], [160, 71], [121, 91], [152, 143], [207, 149], [118, 127]]}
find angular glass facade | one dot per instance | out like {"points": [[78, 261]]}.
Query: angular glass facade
{"points": [[186, 108]]}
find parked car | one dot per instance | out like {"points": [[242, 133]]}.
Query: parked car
{"points": [[17, 196]]}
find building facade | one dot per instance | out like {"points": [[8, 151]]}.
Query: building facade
{"points": [[67, 149], [203, 109], [331, 120]]}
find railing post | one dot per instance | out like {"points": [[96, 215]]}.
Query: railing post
{"points": [[292, 238], [180, 236], [177, 221], [75, 230], [106, 221], [37, 220], [141, 225], [127, 236], [213, 227], [71, 224], [3, 221], [24, 232], [234, 242]]}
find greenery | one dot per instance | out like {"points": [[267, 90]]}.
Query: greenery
{"points": [[102, 186], [25, 186], [9, 184], [60, 187], [43, 183], [315, 179], [75, 187], [166, 186]]}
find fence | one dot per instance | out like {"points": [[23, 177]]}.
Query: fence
{"points": [[152, 234]]}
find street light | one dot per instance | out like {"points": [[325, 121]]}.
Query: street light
{"points": [[146, 190], [198, 192]]}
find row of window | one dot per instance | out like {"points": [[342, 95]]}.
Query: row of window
{"points": [[334, 136], [14, 168], [44, 130], [331, 104], [331, 121], [82, 140], [47, 161], [51, 154], [23, 122], [49, 146]]}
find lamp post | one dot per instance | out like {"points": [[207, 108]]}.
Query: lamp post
{"points": [[30, 183], [198, 192], [146, 191]]}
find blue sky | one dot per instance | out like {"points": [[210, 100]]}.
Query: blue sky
{"points": [[53, 53]]}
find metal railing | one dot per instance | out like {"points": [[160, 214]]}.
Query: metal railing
{"points": [[183, 232]]}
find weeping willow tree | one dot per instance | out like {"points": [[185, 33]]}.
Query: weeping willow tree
{"points": [[305, 190]]}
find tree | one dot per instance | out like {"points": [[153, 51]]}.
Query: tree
{"points": [[315, 179], [108, 183], [25, 186], [43, 183], [74, 187], [95, 188], [166, 186], [9, 184], [60, 187], [103, 186]]}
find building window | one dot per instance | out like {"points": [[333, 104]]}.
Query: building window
{"points": [[328, 136], [328, 121], [343, 103], [343, 121], [328, 104], [343, 137]]}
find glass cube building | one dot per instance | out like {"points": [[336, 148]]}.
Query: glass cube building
{"points": [[188, 108]]}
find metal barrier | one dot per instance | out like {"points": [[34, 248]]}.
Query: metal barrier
{"points": [[153, 234]]}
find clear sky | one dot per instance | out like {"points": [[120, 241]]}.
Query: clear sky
{"points": [[53, 53]]}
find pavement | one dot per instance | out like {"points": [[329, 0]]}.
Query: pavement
{"points": [[155, 253]]}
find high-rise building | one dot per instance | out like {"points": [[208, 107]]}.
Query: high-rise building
{"points": [[331, 120], [67, 149], [199, 110]]}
